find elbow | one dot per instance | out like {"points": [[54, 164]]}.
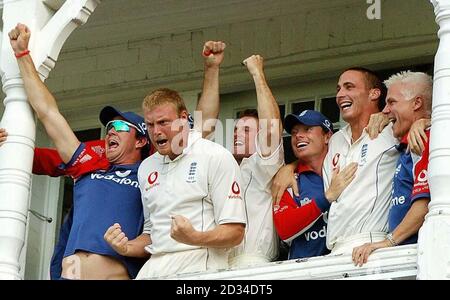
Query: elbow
{"points": [[238, 235]]}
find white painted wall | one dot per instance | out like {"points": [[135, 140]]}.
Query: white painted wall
{"points": [[130, 47]]}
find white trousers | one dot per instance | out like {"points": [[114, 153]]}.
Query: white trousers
{"points": [[346, 245], [182, 262]]}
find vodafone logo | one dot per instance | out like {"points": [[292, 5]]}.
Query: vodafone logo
{"points": [[152, 177], [423, 176], [336, 159], [123, 174], [235, 188]]}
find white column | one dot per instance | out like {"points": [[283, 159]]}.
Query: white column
{"points": [[50, 29], [434, 236]]}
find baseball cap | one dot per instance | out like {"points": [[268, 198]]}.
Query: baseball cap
{"points": [[108, 113], [309, 118], [191, 121]]}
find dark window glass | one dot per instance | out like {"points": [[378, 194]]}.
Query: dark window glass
{"points": [[330, 109], [282, 111], [288, 153], [301, 106]]}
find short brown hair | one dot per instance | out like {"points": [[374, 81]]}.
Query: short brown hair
{"points": [[248, 113], [163, 96], [373, 81]]}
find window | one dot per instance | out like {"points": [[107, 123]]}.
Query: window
{"points": [[282, 108], [298, 107], [330, 109]]}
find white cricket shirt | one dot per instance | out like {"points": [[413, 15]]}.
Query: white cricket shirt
{"points": [[260, 240], [364, 205], [201, 184]]}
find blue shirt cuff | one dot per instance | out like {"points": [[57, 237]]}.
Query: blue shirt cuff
{"points": [[323, 203], [75, 155]]}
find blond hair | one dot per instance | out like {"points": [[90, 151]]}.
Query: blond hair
{"points": [[414, 84], [164, 96]]}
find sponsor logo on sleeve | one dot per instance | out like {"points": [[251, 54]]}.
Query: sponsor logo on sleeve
{"points": [[423, 176], [99, 150], [421, 186], [85, 158], [235, 191]]}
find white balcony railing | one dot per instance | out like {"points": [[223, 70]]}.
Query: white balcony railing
{"points": [[389, 263]]}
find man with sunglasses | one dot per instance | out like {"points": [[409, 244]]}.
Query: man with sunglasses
{"points": [[104, 190], [126, 141]]}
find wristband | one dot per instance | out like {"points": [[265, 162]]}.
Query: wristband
{"points": [[21, 54], [391, 240]]}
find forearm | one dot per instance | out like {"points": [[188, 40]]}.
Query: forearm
{"points": [[267, 105], [209, 100], [44, 104], [292, 221], [39, 96], [136, 247], [291, 166], [223, 236], [268, 112], [412, 221]]}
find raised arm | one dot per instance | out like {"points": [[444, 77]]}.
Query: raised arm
{"points": [[285, 178], [213, 52], [270, 127], [40, 98]]}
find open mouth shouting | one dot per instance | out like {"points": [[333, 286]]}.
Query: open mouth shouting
{"points": [[162, 143], [113, 143]]}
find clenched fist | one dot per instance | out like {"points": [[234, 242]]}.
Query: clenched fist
{"points": [[254, 64], [213, 52], [182, 230], [19, 38], [117, 239]]}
